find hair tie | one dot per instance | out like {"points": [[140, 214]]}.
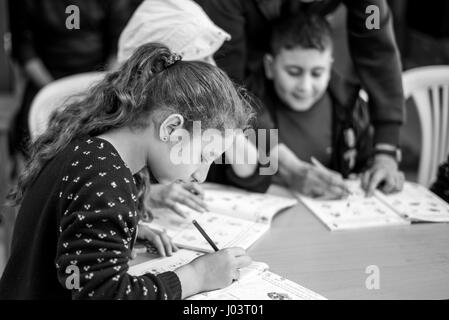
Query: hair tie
{"points": [[172, 59]]}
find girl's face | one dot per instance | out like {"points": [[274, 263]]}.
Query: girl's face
{"points": [[180, 155]]}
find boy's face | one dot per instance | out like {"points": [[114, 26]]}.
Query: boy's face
{"points": [[300, 76]]}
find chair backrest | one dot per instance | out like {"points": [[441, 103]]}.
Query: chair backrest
{"points": [[429, 87], [56, 95]]}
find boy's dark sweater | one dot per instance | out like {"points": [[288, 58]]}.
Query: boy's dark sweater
{"points": [[81, 210]]}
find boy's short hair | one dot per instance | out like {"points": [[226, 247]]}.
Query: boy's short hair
{"points": [[308, 31]]}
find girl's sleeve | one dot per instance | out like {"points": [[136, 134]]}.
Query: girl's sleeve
{"points": [[96, 233]]}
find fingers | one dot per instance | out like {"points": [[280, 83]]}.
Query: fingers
{"points": [[236, 252], [390, 183], [334, 181], [167, 243], [376, 179], [157, 242], [332, 194], [160, 240], [192, 201], [236, 275], [366, 176], [243, 261], [400, 181], [174, 206], [394, 183], [196, 188]]}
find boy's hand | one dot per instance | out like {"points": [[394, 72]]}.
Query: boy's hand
{"points": [[384, 174], [316, 183], [188, 194]]}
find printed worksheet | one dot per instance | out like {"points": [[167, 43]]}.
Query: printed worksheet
{"points": [[247, 205], [236, 218], [261, 284], [255, 283], [417, 204], [224, 230], [355, 212], [164, 264]]}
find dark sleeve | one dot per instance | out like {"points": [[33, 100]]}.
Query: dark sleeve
{"points": [[229, 15], [378, 65], [441, 186], [97, 231], [118, 14], [224, 174], [21, 31]]}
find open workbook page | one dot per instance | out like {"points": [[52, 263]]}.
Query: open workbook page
{"points": [[417, 204], [414, 203], [236, 218], [259, 207], [355, 212], [255, 283], [225, 231]]}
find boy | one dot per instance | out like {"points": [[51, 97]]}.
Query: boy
{"points": [[317, 113]]}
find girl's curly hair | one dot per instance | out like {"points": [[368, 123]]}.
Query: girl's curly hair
{"points": [[128, 97]]}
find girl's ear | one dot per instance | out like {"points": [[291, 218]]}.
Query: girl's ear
{"points": [[268, 61], [169, 125]]}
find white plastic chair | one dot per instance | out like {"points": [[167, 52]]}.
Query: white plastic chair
{"points": [[429, 87], [55, 95]]}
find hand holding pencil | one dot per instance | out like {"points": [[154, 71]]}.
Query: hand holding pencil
{"points": [[212, 271], [336, 187]]}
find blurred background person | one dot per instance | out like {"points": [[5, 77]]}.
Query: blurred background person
{"points": [[54, 39]]}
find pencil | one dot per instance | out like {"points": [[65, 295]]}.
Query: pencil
{"points": [[324, 169], [204, 234]]}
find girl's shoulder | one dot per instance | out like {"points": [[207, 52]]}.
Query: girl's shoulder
{"points": [[95, 176], [95, 160], [94, 151]]}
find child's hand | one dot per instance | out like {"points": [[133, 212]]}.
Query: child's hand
{"points": [[159, 239], [171, 195], [212, 271], [384, 174], [317, 183]]}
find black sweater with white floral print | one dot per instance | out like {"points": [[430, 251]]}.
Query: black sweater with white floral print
{"points": [[77, 225]]}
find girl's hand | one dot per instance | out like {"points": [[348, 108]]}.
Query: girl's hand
{"points": [[159, 239], [171, 195], [212, 271]]}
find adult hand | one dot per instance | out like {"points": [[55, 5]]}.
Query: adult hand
{"points": [[384, 174]]}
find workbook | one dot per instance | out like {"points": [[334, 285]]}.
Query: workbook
{"points": [[414, 204], [236, 219], [256, 281]]}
